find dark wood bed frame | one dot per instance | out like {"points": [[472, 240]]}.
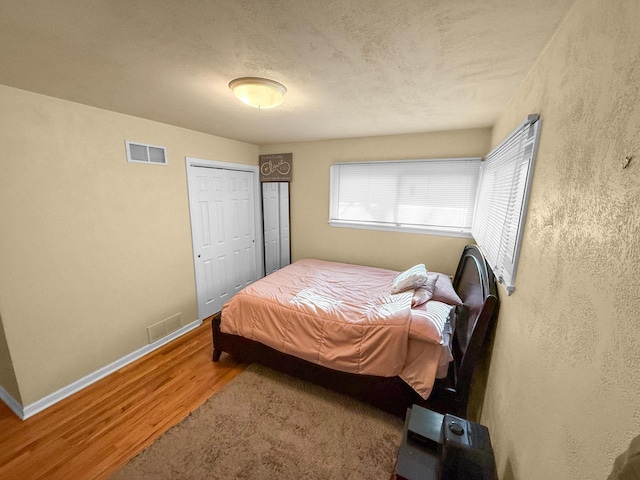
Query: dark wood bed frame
{"points": [[476, 286]]}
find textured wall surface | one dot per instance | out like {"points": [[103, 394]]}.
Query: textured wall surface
{"points": [[93, 249], [312, 236], [563, 394]]}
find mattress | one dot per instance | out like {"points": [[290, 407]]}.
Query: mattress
{"points": [[343, 317]]}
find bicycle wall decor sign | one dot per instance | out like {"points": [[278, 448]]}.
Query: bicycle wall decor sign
{"points": [[275, 167]]}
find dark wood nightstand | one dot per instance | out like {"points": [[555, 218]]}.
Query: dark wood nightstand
{"points": [[418, 456], [441, 447]]}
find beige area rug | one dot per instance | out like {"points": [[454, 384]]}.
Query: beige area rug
{"points": [[266, 425]]}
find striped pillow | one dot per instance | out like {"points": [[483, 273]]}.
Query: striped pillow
{"points": [[429, 322], [410, 279]]}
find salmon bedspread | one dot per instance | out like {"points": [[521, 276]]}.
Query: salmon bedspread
{"points": [[337, 315]]}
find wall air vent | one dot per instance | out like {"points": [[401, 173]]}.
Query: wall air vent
{"points": [[143, 153]]}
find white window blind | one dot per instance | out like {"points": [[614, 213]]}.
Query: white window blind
{"points": [[503, 194], [427, 196]]}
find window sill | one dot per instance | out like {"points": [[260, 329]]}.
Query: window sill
{"points": [[439, 231]]}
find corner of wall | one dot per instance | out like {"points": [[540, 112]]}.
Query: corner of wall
{"points": [[8, 380]]}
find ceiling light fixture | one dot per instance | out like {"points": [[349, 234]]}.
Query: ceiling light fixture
{"points": [[257, 92]]}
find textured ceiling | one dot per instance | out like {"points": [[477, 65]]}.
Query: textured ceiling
{"points": [[352, 67]]}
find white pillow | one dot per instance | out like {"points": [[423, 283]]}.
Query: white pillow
{"points": [[410, 279]]}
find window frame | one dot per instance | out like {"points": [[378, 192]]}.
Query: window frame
{"points": [[403, 228], [501, 247]]}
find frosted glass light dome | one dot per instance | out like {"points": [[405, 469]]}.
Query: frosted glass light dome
{"points": [[258, 92]]}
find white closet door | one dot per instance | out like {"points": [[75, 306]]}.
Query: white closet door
{"points": [[271, 217], [275, 208], [285, 243], [223, 226]]}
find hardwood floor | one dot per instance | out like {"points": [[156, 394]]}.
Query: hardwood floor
{"points": [[92, 433]]}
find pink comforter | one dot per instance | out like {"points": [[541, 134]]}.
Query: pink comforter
{"points": [[337, 315]]}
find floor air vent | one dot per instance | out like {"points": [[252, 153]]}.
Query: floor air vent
{"points": [[143, 153], [164, 327]]}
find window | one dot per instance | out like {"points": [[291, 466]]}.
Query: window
{"points": [[502, 200], [424, 196]]}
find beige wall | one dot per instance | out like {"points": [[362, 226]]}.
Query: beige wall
{"points": [[312, 236], [563, 393], [93, 249]]}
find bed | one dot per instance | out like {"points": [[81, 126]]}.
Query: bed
{"points": [[364, 357]]}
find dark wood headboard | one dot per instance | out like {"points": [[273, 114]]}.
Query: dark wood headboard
{"points": [[476, 286]]}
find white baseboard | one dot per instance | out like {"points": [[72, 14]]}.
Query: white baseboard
{"points": [[11, 402], [55, 397]]}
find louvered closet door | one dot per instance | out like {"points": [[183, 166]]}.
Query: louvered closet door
{"points": [[224, 235]]}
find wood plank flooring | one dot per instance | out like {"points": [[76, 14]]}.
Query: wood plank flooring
{"points": [[92, 433]]}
